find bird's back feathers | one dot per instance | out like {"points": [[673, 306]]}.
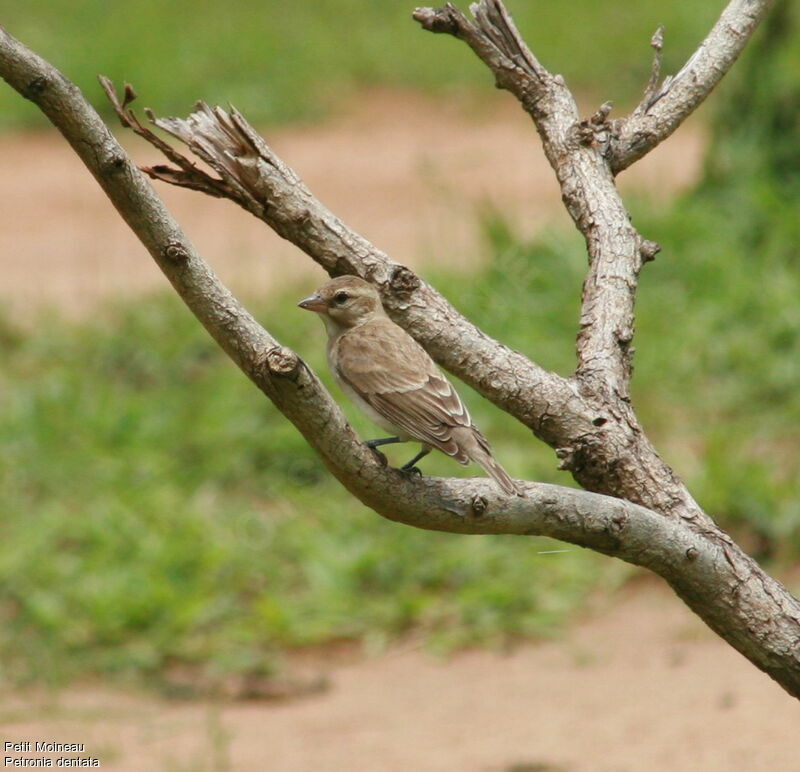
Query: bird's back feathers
{"points": [[394, 375], [393, 379], [397, 379]]}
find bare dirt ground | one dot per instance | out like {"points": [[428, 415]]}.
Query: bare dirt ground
{"points": [[407, 172], [638, 685], [641, 685]]}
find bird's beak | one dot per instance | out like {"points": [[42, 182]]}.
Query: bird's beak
{"points": [[314, 303]]}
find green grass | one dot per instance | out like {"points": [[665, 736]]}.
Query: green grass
{"points": [[717, 361], [280, 61], [158, 513], [719, 365]]}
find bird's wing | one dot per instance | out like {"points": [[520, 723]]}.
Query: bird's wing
{"points": [[393, 374]]}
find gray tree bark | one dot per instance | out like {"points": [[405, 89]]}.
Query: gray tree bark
{"points": [[635, 508]]}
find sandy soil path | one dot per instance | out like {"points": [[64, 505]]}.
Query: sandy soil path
{"points": [[640, 686], [407, 171]]}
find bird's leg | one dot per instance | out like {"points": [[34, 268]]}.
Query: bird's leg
{"points": [[384, 441], [373, 446], [409, 467]]}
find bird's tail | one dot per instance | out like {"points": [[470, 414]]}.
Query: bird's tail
{"points": [[481, 454], [500, 476]]}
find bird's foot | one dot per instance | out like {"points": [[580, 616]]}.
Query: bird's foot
{"points": [[373, 446], [379, 455], [411, 472], [410, 467]]}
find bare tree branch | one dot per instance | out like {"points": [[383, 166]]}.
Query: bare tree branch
{"points": [[452, 505], [560, 411], [663, 110], [651, 93], [729, 591], [575, 150], [581, 154], [588, 419], [259, 181]]}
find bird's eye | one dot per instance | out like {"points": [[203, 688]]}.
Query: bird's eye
{"points": [[341, 297]]}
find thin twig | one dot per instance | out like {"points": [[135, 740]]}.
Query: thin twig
{"points": [[751, 610], [655, 119], [651, 92]]}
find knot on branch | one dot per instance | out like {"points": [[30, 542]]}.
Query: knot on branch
{"points": [[300, 215], [586, 460], [440, 20], [479, 505], [624, 335], [567, 456], [176, 252], [551, 508], [115, 162], [618, 521], [281, 361], [648, 250], [36, 86], [594, 131], [403, 282]]}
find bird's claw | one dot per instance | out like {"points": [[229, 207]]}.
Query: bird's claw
{"points": [[379, 455], [411, 471]]}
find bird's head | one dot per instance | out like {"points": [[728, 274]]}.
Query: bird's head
{"points": [[345, 302]]}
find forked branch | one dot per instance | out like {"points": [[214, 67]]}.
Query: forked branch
{"points": [[575, 150], [587, 419], [664, 109], [254, 177], [730, 592], [609, 525]]}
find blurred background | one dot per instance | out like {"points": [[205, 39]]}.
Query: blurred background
{"points": [[174, 561]]}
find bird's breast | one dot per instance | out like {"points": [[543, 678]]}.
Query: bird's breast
{"points": [[354, 396]]}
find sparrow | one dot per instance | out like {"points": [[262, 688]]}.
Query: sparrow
{"points": [[393, 380]]}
